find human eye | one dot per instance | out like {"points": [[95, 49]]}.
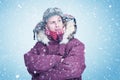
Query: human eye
{"points": [[52, 22], [59, 20]]}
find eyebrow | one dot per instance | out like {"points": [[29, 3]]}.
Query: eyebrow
{"points": [[59, 17], [56, 19]]}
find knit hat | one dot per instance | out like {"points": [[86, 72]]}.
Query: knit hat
{"points": [[51, 12]]}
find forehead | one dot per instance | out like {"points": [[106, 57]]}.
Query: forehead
{"points": [[54, 18]]}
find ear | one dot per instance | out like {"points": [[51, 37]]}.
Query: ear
{"points": [[64, 29], [46, 27], [47, 30]]}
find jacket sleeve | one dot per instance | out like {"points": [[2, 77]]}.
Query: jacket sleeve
{"points": [[72, 66], [39, 63]]}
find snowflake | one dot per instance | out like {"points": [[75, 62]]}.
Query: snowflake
{"points": [[19, 6], [17, 76], [35, 72], [44, 50], [110, 6]]}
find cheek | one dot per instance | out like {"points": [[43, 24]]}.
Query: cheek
{"points": [[61, 24], [51, 27]]}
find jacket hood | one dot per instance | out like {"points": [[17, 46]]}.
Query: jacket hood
{"points": [[70, 29]]}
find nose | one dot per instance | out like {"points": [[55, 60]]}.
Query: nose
{"points": [[56, 25]]}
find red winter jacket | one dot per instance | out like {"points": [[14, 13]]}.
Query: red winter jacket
{"points": [[56, 60]]}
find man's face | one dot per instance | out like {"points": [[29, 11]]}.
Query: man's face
{"points": [[55, 23]]}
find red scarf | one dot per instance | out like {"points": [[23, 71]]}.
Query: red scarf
{"points": [[53, 35]]}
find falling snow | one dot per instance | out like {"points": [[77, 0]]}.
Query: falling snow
{"points": [[19, 6], [35, 72], [17, 76], [98, 25], [110, 6]]}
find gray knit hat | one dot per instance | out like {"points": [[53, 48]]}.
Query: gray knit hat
{"points": [[51, 12]]}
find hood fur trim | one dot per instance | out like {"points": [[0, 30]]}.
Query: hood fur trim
{"points": [[69, 31], [68, 34]]}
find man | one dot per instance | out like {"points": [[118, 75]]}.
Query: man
{"points": [[57, 55]]}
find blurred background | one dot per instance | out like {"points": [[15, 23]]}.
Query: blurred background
{"points": [[98, 23]]}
